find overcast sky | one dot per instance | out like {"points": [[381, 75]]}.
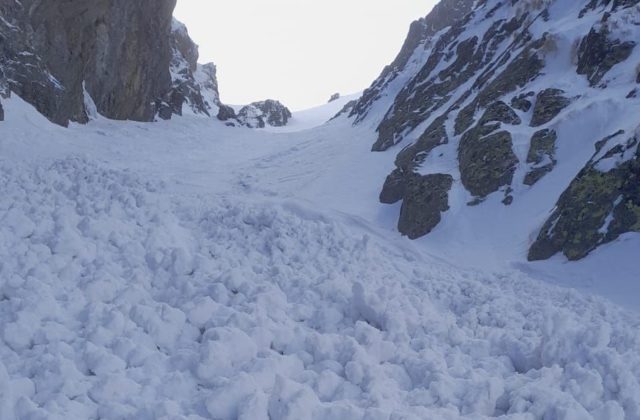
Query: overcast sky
{"points": [[298, 51]]}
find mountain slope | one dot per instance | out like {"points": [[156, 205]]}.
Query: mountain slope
{"points": [[508, 103], [189, 270]]}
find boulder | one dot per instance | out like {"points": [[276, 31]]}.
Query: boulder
{"points": [[259, 114], [486, 163], [425, 199]]}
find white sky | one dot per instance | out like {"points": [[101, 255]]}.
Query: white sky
{"points": [[298, 51]]}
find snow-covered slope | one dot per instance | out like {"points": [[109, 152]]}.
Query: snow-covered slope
{"points": [[317, 116], [515, 128], [187, 270]]}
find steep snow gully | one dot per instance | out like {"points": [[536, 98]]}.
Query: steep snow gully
{"points": [[187, 270], [197, 269]]}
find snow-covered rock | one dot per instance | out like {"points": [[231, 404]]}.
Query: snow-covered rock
{"points": [[263, 113], [493, 94]]}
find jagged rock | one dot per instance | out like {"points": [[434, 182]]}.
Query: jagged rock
{"points": [[445, 13], [426, 197], [394, 188], [259, 114], [598, 54], [334, 97], [601, 203], [429, 91], [542, 155], [185, 89], [524, 68], [1, 112], [549, 103], [638, 77], [206, 77], [118, 50], [486, 163], [521, 102]]}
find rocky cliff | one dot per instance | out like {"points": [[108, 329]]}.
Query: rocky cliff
{"points": [[131, 59], [492, 100]]}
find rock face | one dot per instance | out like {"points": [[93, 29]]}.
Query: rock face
{"points": [[598, 53], [263, 113], [476, 94], [119, 51], [601, 203], [419, 39], [131, 58]]}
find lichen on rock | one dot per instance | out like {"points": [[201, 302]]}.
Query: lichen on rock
{"points": [[486, 163], [597, 207]]}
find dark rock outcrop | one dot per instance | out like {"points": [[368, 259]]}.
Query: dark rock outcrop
{"points": [[118, 50], [542, 155], [1, 111], [486, 163], [426, 197], [459, 93], [259, 114], [598, 54], [601, 203], [445, 13], [549, 103], [394, 188]]}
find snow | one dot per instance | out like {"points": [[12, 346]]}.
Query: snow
{"points": [[187, 270], [314, 117]]}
